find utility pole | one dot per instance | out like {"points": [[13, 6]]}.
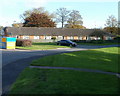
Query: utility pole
{"points": [[119, 14]]}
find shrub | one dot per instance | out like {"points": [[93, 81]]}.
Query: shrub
{"points": [[23, 42], [53, 38], [97, 41], [19, 42], [117, 39]]}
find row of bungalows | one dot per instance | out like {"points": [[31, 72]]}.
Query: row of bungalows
{"points": [[44, 34]]}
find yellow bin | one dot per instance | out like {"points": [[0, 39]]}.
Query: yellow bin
{"points": [[10, 45]]}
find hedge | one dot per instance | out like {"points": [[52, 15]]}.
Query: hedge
{"points": [[23, 42]]}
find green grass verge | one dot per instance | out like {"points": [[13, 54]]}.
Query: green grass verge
{"points": [[99, 44], [48, 81], [105, 59], [43, 46]]}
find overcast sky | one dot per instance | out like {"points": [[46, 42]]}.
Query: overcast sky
{"points": [[94, 12]]}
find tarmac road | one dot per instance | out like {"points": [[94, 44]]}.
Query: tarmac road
{"points": [[9, 56]]}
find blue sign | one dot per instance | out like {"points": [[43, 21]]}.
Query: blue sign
{"points": [[9, 39]]}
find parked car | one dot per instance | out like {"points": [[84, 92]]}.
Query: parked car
{"points": [[66, 43]]}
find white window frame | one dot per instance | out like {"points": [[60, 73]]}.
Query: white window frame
{"points": [[68, 37], [88, 38], [48, 37], [98, 38], [25, 37], [72, 37], [60, 37], [108, 38], [80, 38], [36, 37]]}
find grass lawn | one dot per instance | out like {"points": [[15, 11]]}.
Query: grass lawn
{"points": [[60, 81], [48, 81], [98, 44], [43, 46], [105, 59]]}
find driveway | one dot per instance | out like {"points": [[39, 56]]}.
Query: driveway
{"points": [[14, 61]]}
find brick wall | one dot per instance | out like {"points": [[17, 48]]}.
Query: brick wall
{"points": [[75, 37], [42, 37], [21, 37], [84, 38], [31, 37], [65, 37]]}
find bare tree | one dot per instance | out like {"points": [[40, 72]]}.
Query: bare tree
{"points": [[62, 15], [75, 18], [111, 25], [111, 21], [1, 27]]}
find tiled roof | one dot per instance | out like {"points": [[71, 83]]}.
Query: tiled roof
{"points": [[37, 31]]}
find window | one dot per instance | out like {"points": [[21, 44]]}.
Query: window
{"points": [[42, 37], [68, 37], [80, 38], [108, 38], [98, 38], [88, 38], [71, 37], [36, 37], [75, 37], [25, 37], [48, 37], [60, 37]]}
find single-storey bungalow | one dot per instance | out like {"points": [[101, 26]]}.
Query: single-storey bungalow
{"points": [[45, 34]]}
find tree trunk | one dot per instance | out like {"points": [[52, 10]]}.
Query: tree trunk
{"points": [[62, 24]]}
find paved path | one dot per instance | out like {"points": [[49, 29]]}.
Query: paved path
{"points": [[77, 69], [14, 61]]}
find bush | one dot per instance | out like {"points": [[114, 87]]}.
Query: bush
{"points": [[79, 41], [18, 42], [97, 41], [53, 38], [117, 39], [23, 43]]}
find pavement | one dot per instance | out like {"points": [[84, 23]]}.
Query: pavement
{"points": [[77, 69], [15, 61]]}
